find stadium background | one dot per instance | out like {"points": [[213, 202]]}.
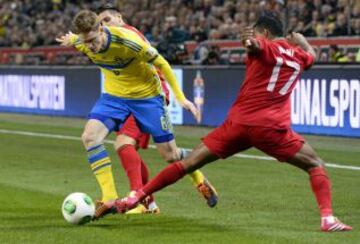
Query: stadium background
{"points": [[201, 39], [198, 38]]}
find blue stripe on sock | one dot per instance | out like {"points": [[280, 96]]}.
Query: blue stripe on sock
{"points": [[94, 147], [97, 157], [101, 166]]}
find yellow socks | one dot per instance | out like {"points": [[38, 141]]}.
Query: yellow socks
{"points": [[197, 177], [101, 167], [106, 182]]}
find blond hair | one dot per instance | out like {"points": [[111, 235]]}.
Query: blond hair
{"points": [[85, 21]]}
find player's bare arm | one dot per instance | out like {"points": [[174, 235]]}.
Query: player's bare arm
{"points": [[249, 41], [191, 107], [165, 69], [299, 40]]}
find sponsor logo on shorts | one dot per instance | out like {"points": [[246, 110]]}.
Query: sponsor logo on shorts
{"points": [[166, 123]]}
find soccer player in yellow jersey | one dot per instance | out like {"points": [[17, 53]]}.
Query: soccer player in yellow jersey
{"points": [[131, 87], [130, 138]]}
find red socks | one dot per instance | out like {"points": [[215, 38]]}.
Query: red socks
{"points": [[144, 173], [145, 178], [136, 170], [169, 175], [320, 185], [133, 166]]}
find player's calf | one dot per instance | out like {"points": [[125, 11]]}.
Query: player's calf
{"points": [[306, 158], [169, 151]]}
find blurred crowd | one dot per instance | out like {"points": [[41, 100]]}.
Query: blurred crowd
{"points": [[168, 24]]}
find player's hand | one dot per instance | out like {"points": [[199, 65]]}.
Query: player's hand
{"points": [[65, 40], [249, 41], [296, 38], [248, 36], [186, 104]]}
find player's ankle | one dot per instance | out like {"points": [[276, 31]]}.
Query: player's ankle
{"points": [[326, 212], [140, 195], [328, 219], [152, 205]]}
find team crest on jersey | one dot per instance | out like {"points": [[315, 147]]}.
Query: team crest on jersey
{"points": [[122, 63], [120, 60]]}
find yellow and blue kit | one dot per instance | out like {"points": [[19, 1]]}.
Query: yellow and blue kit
{"points": [[132, 85]]}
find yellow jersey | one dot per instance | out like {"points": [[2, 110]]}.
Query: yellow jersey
{"points": [[127, 63]]}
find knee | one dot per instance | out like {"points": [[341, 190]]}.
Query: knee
{"points": [[118, 145], [123, 140], [314, 161], [90, 139]]}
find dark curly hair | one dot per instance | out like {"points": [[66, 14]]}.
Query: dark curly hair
{"points": [[271, 23]]}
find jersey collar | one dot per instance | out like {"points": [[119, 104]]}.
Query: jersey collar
{"points": [[108, 35]]}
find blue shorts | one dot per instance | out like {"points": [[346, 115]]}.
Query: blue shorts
{"points": [[150, 114]]}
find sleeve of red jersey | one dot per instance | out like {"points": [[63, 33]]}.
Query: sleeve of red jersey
{"points": [[307, 58]]}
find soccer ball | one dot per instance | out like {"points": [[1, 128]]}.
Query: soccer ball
{"points": [[78, 208]]}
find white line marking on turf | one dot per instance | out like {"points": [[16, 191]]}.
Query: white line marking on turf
{"points": [[75, 138]]}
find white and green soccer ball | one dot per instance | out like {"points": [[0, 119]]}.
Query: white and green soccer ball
{"points": [[78, 208]]}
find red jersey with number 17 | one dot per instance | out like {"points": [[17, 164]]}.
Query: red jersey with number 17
{"points": [[271, 74]]}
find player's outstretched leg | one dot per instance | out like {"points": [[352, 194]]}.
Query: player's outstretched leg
{"points": [[171, 153], [169, 175], [307, 160], [202, 184]]}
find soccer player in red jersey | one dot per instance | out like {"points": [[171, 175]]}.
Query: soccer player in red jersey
{"points": [[260, 118], [130, 138]]}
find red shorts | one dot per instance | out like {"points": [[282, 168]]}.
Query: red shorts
{"points": [[131, 129], [231, 138]]}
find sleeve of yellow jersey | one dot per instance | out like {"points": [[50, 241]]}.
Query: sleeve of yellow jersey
{"points": [[75, 41], [149, 54], [160, 62]]}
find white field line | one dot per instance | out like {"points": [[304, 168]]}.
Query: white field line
{"points": [[75, 138]]}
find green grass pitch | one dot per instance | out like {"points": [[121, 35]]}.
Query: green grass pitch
{"points": [[260, 201]]}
